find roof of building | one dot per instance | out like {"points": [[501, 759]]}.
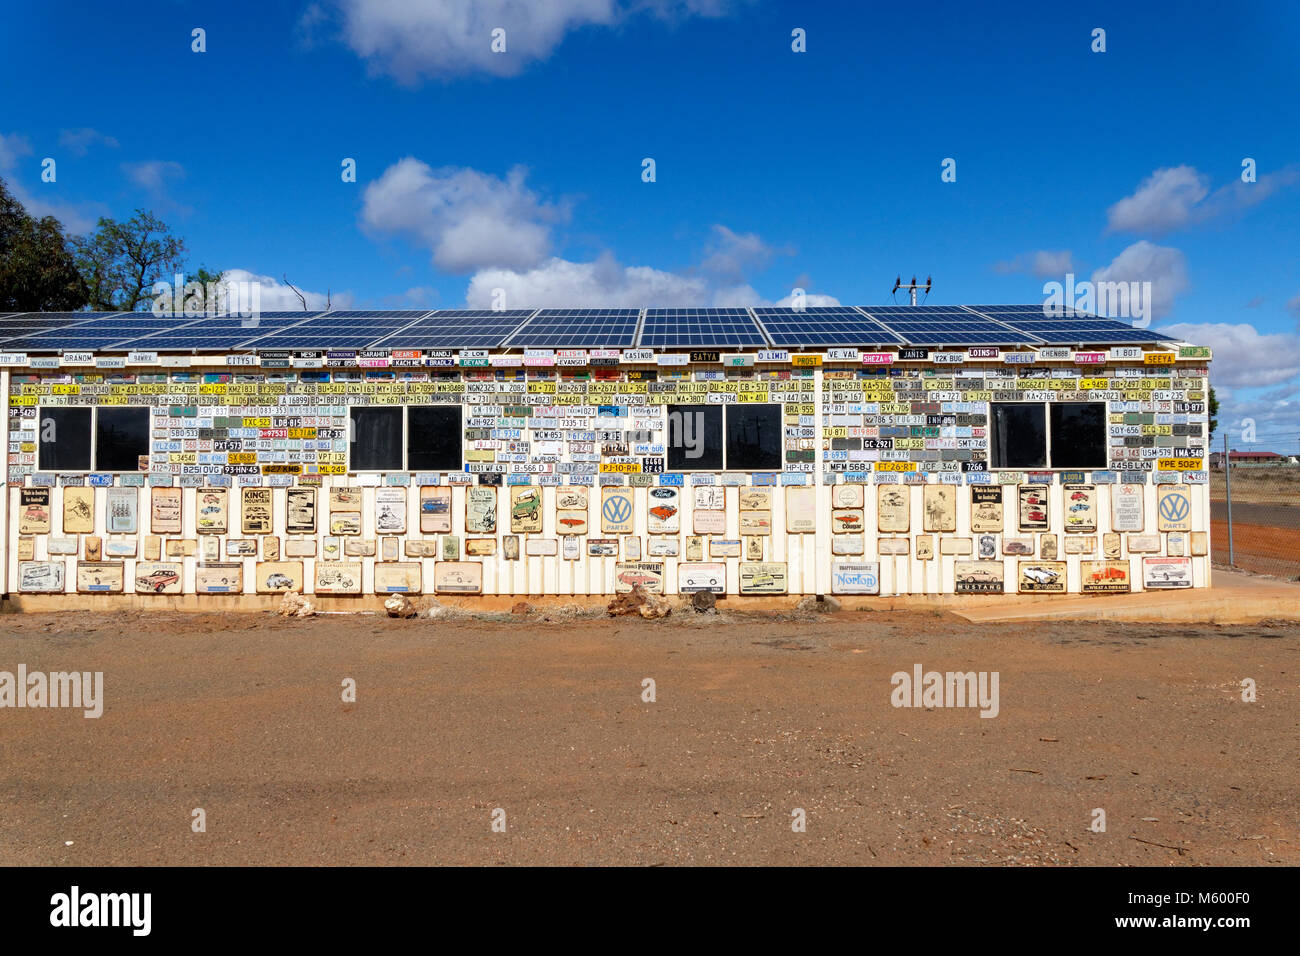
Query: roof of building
{"points": [[890, 326], [1234, 455]]}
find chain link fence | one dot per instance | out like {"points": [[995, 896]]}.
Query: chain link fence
{"points": [[1255, 517]]}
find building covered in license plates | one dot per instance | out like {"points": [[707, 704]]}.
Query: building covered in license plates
{"points": [[767, 451]]}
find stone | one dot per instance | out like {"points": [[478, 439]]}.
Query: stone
{"points": [[824, 605], [641, 602], [703, 601], [295, 605], [399, 605]]}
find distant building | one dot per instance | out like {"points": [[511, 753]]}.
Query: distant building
{"points": [[1249, 458]]}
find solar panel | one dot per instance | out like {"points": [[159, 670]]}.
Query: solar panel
{"points": [[690, 328], [819, 326], [578, 328], [94, 335], [32, 322], [214, 333], [371, 313], [823, 326], [910, 309], [1074, 327], [458, 329], [946, 325], [331, 332], [19, 328]]}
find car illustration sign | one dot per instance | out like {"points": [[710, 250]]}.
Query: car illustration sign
{"points": [[1104, 577], [648, 574], [1033, 507], [760, 578], [707, 576], [276, 576], [1042, 577], [158, 577], [1166, 573], [458, 577], [978, 577]]}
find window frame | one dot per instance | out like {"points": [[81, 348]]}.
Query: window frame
{"points": [[405, 463], [726, 436], [93, 440], [406, 434], [1047, 438], [723, 418], [722, 427]]}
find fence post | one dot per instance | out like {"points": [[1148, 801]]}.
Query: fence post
{"points": [[1227, 481]]}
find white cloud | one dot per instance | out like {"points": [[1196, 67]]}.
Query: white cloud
{"points": [[439, 38], [1163, 266], [12, 148], [154, 175], [79, 141], [1244, 357], [276, 296], [730, 255], [448, 37], [1179, 196], [1275, 417], [416, 297], [1164, 201], [500, 231], [76, 218], [811, 300], [605, 283], [469, 220], [1043, 264]]}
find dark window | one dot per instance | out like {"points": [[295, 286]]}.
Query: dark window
{"points": [[694, 437], [433, 438], [755, 437], [1078, 434], [1019, 438], [376, 440], [121, 437], [1021, 432], [63, 439]]}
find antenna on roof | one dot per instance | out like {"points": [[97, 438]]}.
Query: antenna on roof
{"points": [[912, 287]]}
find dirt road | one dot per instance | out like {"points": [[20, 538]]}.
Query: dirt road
{"points": [[753, 718]]}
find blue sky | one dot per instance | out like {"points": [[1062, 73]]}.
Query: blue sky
{"points": [[522, 170]]}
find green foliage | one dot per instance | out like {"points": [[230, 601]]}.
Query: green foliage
{"points": [[120, 262], [1214, 411], [37, 269]]}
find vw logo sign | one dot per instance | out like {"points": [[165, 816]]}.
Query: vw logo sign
{"points": [[617, 509], [1174, 507]]}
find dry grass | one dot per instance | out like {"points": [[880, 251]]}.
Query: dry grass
{"points": [[1271, 485]]}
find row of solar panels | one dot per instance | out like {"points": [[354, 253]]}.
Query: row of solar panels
{"points": [[781, 328]]}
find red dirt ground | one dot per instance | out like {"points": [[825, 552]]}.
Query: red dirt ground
{"points": [[755, 716]]}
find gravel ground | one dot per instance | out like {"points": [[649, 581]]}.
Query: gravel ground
{"points": [[755, 716]]}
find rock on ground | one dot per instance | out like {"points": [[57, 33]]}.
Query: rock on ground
{"points": [[295, 605], [399, 605], [639, 601]]}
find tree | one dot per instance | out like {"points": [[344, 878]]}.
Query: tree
{"points": [[1214, 411], [120, 262], [37, 269]]}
